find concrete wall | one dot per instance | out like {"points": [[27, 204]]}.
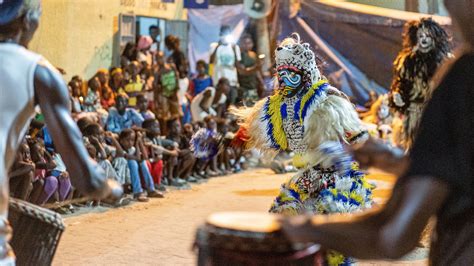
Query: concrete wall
{"points": [[78, 35]]}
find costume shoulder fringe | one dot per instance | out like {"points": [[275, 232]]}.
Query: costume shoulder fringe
{"points": [[333, 119], [251, 119]]}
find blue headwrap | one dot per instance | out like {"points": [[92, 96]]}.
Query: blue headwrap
{"points": [[9, 10]]}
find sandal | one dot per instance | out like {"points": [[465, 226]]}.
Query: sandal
{"points": [[141, 197], [155, 194]]}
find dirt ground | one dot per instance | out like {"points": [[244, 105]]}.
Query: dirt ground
{"points": [[161, 232]]}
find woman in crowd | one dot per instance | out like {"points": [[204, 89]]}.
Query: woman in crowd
{"points": [[129, 55]]}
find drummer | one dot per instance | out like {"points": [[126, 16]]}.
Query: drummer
{"points": [[436, 179], [27, 79]]}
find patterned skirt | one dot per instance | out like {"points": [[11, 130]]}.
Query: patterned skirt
{"points": [[319, 190]]}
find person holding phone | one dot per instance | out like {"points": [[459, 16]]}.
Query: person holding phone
{"points": [[225, 58]]}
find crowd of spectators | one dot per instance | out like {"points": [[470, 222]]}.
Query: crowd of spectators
{"points": [[150, 124]]}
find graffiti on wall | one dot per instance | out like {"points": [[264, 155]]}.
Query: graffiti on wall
{"points": [[101, 58]]}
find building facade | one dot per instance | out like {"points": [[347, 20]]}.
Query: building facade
{"points": [[82, 36]]}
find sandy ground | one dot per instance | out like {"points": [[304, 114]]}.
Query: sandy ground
{"points": [[161, 232]]}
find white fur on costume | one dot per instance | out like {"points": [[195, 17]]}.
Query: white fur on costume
{"points": [[294, 53]]}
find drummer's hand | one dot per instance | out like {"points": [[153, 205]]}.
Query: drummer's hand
{"points": [[297, 229], [104, 188], [373, 153]]}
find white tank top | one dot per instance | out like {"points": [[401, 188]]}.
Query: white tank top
{"points": [[17, 68]]}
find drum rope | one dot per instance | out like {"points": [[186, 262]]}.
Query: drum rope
{"points": [[56, 205]]}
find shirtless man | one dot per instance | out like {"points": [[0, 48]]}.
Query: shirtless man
{"points": [[27, 80]]}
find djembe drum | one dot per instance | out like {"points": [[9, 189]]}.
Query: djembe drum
{"points": [[36, 232], [233, 239]]}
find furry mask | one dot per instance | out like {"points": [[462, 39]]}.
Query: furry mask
{"points": [[425, 35]]}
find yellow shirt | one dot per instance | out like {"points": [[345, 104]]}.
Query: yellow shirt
{"points": [[132, 89]]}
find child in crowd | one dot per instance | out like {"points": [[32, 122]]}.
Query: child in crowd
{"points": [[186, 159], [135, 153], [22, 173], [44, 182], [225, 152], [166, 87], [205, 145], [107, 99], [92, 100], [135, 85], [107, 95], [164, 154], [202, 79], [76, 97], [109, 157], [142, 104]]}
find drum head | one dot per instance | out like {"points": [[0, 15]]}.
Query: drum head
{"points": [[246, 232], [245, 221]]}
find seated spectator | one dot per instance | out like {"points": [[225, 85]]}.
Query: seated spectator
{"points": [[83, 122], [80, 82], [22, 173], [186, 159], [116, 82], [107, 95], [75, 96], [92, 102], [45, 184], [135, 153], [135, 85], [109, 157], [188, 132], [165, 153], [61, 173], [121, 117], [226, 153], [142, 104], [205, 146], [107, 99], [201, 81], [92, 99], [210, 102]]}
